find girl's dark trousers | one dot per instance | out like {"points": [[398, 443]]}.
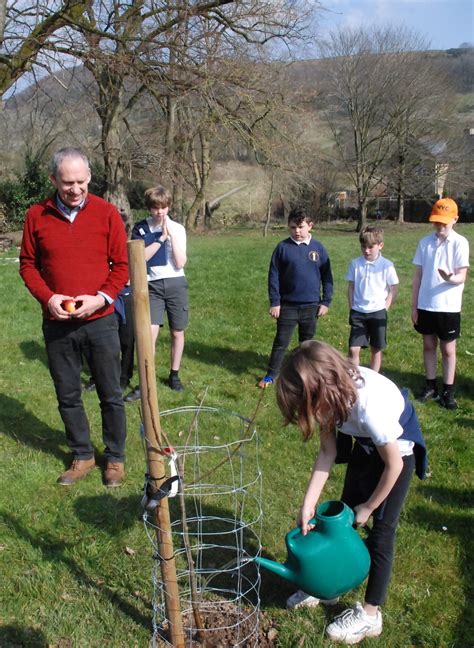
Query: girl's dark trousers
{"points": [[362, 476]]}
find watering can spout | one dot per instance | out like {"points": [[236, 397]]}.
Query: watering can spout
{"points": [[277, 568]]}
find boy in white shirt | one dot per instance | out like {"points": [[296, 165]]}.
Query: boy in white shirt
{"points": [[166, 256], [373, 285], [441, 262]]}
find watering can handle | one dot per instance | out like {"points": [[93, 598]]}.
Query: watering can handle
{"points": [[297, 530]]}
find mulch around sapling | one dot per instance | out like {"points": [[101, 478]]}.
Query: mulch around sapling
{"points": [[225, 625]]}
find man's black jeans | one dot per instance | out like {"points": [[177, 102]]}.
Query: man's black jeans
{"points": [[98, 341], [305, 317]]}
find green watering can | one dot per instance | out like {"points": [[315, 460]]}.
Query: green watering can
{"points": [[329, 560]]}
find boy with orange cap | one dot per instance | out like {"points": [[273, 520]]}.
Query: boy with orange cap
{"points": [[441, 262]]}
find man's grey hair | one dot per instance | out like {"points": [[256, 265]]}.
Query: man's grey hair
{"points": [[67, 152]]}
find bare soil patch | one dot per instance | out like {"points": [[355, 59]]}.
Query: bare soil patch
{"points": [[224, 628]]}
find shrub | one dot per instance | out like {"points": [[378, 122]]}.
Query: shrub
{"points": [[18, 195]]}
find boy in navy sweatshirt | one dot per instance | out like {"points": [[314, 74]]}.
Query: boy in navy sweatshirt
{"points": [[300, 287]]}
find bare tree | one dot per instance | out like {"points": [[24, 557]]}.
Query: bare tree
{"points": [[421, 109], [177, 51], [365, 70], [26, 27]]}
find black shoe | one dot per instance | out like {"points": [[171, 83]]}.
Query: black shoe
{"points": [[124, 388], [428, 393], [134, 395], [447, 400], [89, 386], [175, 383]]}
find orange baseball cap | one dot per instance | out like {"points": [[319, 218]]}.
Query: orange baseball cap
{"points": [[444, 211]]}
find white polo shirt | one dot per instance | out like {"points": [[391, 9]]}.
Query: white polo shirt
{"points": [[377, 411], [372, 280], [435, 293]]}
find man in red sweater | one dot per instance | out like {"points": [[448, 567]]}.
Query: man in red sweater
{"points": [[73, 260]]}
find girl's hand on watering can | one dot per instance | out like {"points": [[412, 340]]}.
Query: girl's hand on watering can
{"points": [[306, 514], [362, 514]]}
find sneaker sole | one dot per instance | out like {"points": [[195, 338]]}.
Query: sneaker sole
{"points": [[351, 641]]}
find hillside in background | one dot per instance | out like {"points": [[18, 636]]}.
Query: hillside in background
{"points": [[60, 110]]}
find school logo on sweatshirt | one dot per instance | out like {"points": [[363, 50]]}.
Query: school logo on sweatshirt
{"points": [[313, 256]]}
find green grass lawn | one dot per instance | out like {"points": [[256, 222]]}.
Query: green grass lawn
{"points": [[76, 563]]}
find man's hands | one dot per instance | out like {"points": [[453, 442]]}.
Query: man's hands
{"points": [[86, 305], [55, 307], [90, 304]]}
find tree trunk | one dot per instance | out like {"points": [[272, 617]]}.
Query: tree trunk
{"points": [[193, 216], [362, 222], [178, 198], [111, 98], [114, 178], [401, 187], [401, 209], [201, 171], [269, 206]]}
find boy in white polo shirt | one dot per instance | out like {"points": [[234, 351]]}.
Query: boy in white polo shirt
{"points": [[441, 262], [373, 285]]}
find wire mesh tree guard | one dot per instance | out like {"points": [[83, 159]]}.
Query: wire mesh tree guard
{"points": [[216, 527]]}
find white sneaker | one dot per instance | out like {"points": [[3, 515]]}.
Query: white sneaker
{"points": [[353, 625], [300, 599]]}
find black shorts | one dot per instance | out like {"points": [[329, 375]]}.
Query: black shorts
{"points": [[446, 326], [368, 328], [170, 295]]}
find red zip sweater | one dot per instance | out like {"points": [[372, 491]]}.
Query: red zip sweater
{"points": [[79, 258]]}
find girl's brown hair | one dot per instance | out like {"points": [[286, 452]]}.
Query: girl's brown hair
{"points": [[316, 386]]}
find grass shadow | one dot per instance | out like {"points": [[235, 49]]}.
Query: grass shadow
{"points": [[33, 350], [416, 381], [56, 551], [107, 513], [274, 590], [23, 426], [16, 636], [459, 524], [234, 360]]}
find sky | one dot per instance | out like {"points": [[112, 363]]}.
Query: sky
{"points": [[443, 23]]}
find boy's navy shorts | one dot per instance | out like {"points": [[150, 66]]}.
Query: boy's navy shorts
{"points": [[446, 326], [170, 295], [368, 328]]}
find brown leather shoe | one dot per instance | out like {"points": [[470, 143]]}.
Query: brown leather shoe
{"points": [[79, 469], [114, 474]]}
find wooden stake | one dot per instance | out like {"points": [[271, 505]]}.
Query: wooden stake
{"points": [[151, 423]]}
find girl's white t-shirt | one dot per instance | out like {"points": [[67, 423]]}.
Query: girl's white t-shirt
{"points": [[377, 411]]}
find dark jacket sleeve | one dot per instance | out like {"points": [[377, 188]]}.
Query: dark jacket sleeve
{"points": [[327, 283], [274, 278]]}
